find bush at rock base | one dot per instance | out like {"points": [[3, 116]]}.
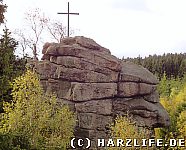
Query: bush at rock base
{"points": [[175, 104], [35, 117], [125, 128]]}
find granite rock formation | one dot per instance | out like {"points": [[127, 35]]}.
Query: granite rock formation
{"points": [[98, 86]]}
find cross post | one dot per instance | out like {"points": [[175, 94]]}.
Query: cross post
{"points": [[68, 13]]}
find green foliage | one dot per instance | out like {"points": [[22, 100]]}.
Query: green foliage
{"points": [[36, 117], [175, 104], [10, 65], [169, 88], [13, 142], [125, 128]]}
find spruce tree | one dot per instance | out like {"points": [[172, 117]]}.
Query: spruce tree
{"points": [[10, 65]]}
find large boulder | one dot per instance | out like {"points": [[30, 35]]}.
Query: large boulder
{"points": [[99, 86]]}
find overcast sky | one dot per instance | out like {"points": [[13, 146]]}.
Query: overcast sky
{"points": [[126, 27]]}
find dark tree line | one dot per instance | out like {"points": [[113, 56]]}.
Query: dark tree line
{"points": [[173, 65]]}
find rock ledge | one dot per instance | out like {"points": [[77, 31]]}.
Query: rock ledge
{"points": [[98, 86]]}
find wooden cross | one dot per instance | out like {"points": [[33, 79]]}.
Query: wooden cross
{"points": [[68, 13]]}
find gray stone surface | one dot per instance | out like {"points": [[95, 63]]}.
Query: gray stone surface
{"points": [[99, 86]]}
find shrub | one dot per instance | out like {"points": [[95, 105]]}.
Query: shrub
{"points": [[175, 105], [125, 128], [13, 142], [36, 116]]}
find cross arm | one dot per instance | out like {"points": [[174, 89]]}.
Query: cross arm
{"points": [[69, 13]]}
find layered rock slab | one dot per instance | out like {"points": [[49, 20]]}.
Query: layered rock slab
{"points": [[98, 86]]}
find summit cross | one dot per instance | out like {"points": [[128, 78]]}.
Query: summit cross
{"points": [[68, 13]]}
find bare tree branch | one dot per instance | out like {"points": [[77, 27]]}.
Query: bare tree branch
{"points": [[37, 22], [56, 30], [23, 41], [40, 25]]}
